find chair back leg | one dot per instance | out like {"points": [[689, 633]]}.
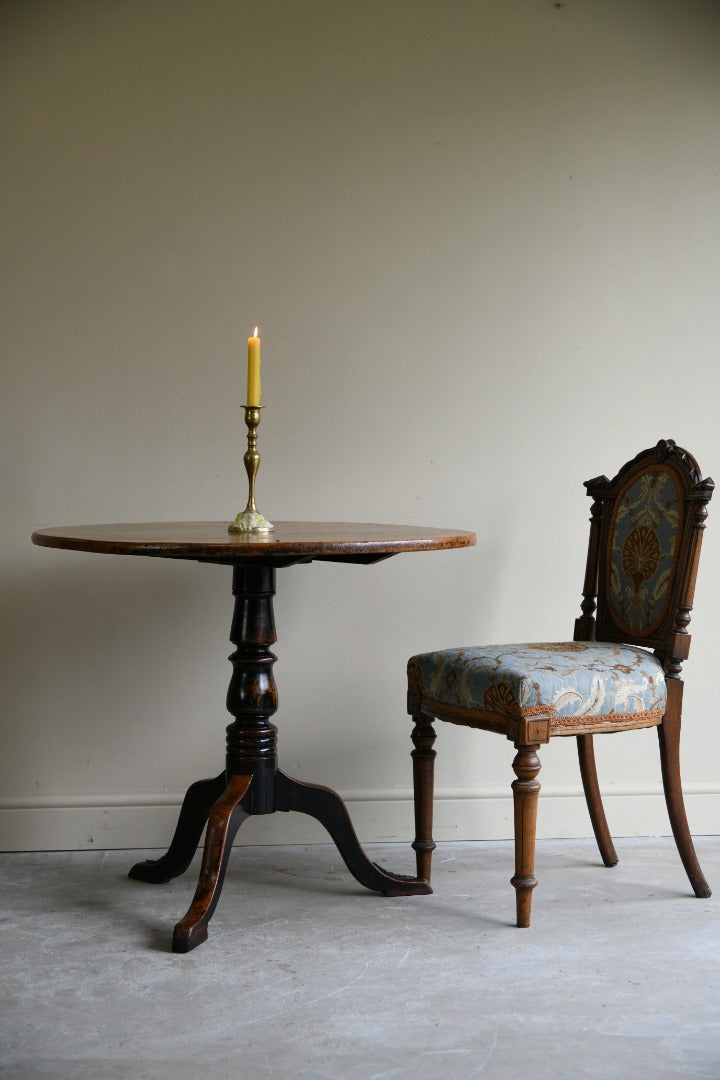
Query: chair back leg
{"points": [[669, 736], [526, 789], [588, 772]]}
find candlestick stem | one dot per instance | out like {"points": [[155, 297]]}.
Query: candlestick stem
{"points": [[250, 519]]}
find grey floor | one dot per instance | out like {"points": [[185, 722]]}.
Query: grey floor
{"points": [[306, 975]]}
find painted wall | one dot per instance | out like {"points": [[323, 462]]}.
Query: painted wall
{"points": [[482, 241]]}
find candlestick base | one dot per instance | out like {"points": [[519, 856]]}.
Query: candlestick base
{"points": [[250, 521]]}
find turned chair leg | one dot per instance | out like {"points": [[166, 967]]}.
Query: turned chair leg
{"points": [[526, 789], [423, 737], [588, 772], [669, 737]]}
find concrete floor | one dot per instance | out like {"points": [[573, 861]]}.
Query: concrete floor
{"points": [[306, 975]]}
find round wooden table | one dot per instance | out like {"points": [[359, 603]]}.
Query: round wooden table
{"points": [[251, 782]]}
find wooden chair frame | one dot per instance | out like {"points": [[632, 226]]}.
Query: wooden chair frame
{"points": [[670, 641]]}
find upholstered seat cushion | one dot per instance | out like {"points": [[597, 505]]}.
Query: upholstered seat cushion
{"points": [[563, 679]]}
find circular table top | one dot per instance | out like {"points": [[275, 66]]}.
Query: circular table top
{"points": [[290, 541]]}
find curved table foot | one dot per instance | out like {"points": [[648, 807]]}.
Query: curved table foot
{"points": [[226, 817], [195, 810], [328, 808]]}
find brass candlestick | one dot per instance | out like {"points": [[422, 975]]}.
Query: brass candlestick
{"points": [[251, 520]]}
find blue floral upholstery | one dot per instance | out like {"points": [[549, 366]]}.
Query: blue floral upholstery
{"points": [[644, 534], [564, 680]]}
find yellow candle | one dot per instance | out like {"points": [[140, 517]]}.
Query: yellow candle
{"points": [[253, 380]]}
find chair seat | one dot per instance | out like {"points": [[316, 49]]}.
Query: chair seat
{"points": [[577, 684]]}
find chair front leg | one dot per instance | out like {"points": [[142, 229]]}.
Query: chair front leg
{"points": [[423, 737], [526, 789]]}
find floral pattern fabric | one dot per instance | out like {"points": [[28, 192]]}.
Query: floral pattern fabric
{"points": [[570, 679], [642, 553]]}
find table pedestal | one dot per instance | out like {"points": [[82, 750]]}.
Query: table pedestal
{"points": [[252, 783]]}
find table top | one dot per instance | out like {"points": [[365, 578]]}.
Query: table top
{"points": [[290, 541]]}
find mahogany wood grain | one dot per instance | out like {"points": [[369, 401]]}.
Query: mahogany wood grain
{"points": [[292, 541], [226, 817]]}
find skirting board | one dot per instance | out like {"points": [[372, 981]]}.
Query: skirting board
{"points": [[61, 823]]}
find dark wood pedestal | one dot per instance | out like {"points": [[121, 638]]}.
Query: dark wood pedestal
{"points": [[252, 782]]}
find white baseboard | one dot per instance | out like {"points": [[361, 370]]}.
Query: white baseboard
{"points": [[57, 823]]}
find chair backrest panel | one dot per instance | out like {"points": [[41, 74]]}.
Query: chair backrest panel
{"points": [[642, 549], [646, 532]]}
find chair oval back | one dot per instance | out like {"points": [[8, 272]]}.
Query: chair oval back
{"points": [[642, 563]]}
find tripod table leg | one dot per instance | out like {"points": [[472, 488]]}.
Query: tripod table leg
{"points": [[328, 808], [226, 817], [194, 813]]}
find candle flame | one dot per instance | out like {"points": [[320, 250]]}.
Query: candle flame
{"points": [[255, 334]]}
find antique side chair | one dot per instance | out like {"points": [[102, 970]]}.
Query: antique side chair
{"points": [[620, 672]]}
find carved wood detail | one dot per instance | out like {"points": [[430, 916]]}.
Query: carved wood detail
{"points": [[525, 789]]}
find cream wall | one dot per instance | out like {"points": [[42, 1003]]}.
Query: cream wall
{"points": [[482, 241]]}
